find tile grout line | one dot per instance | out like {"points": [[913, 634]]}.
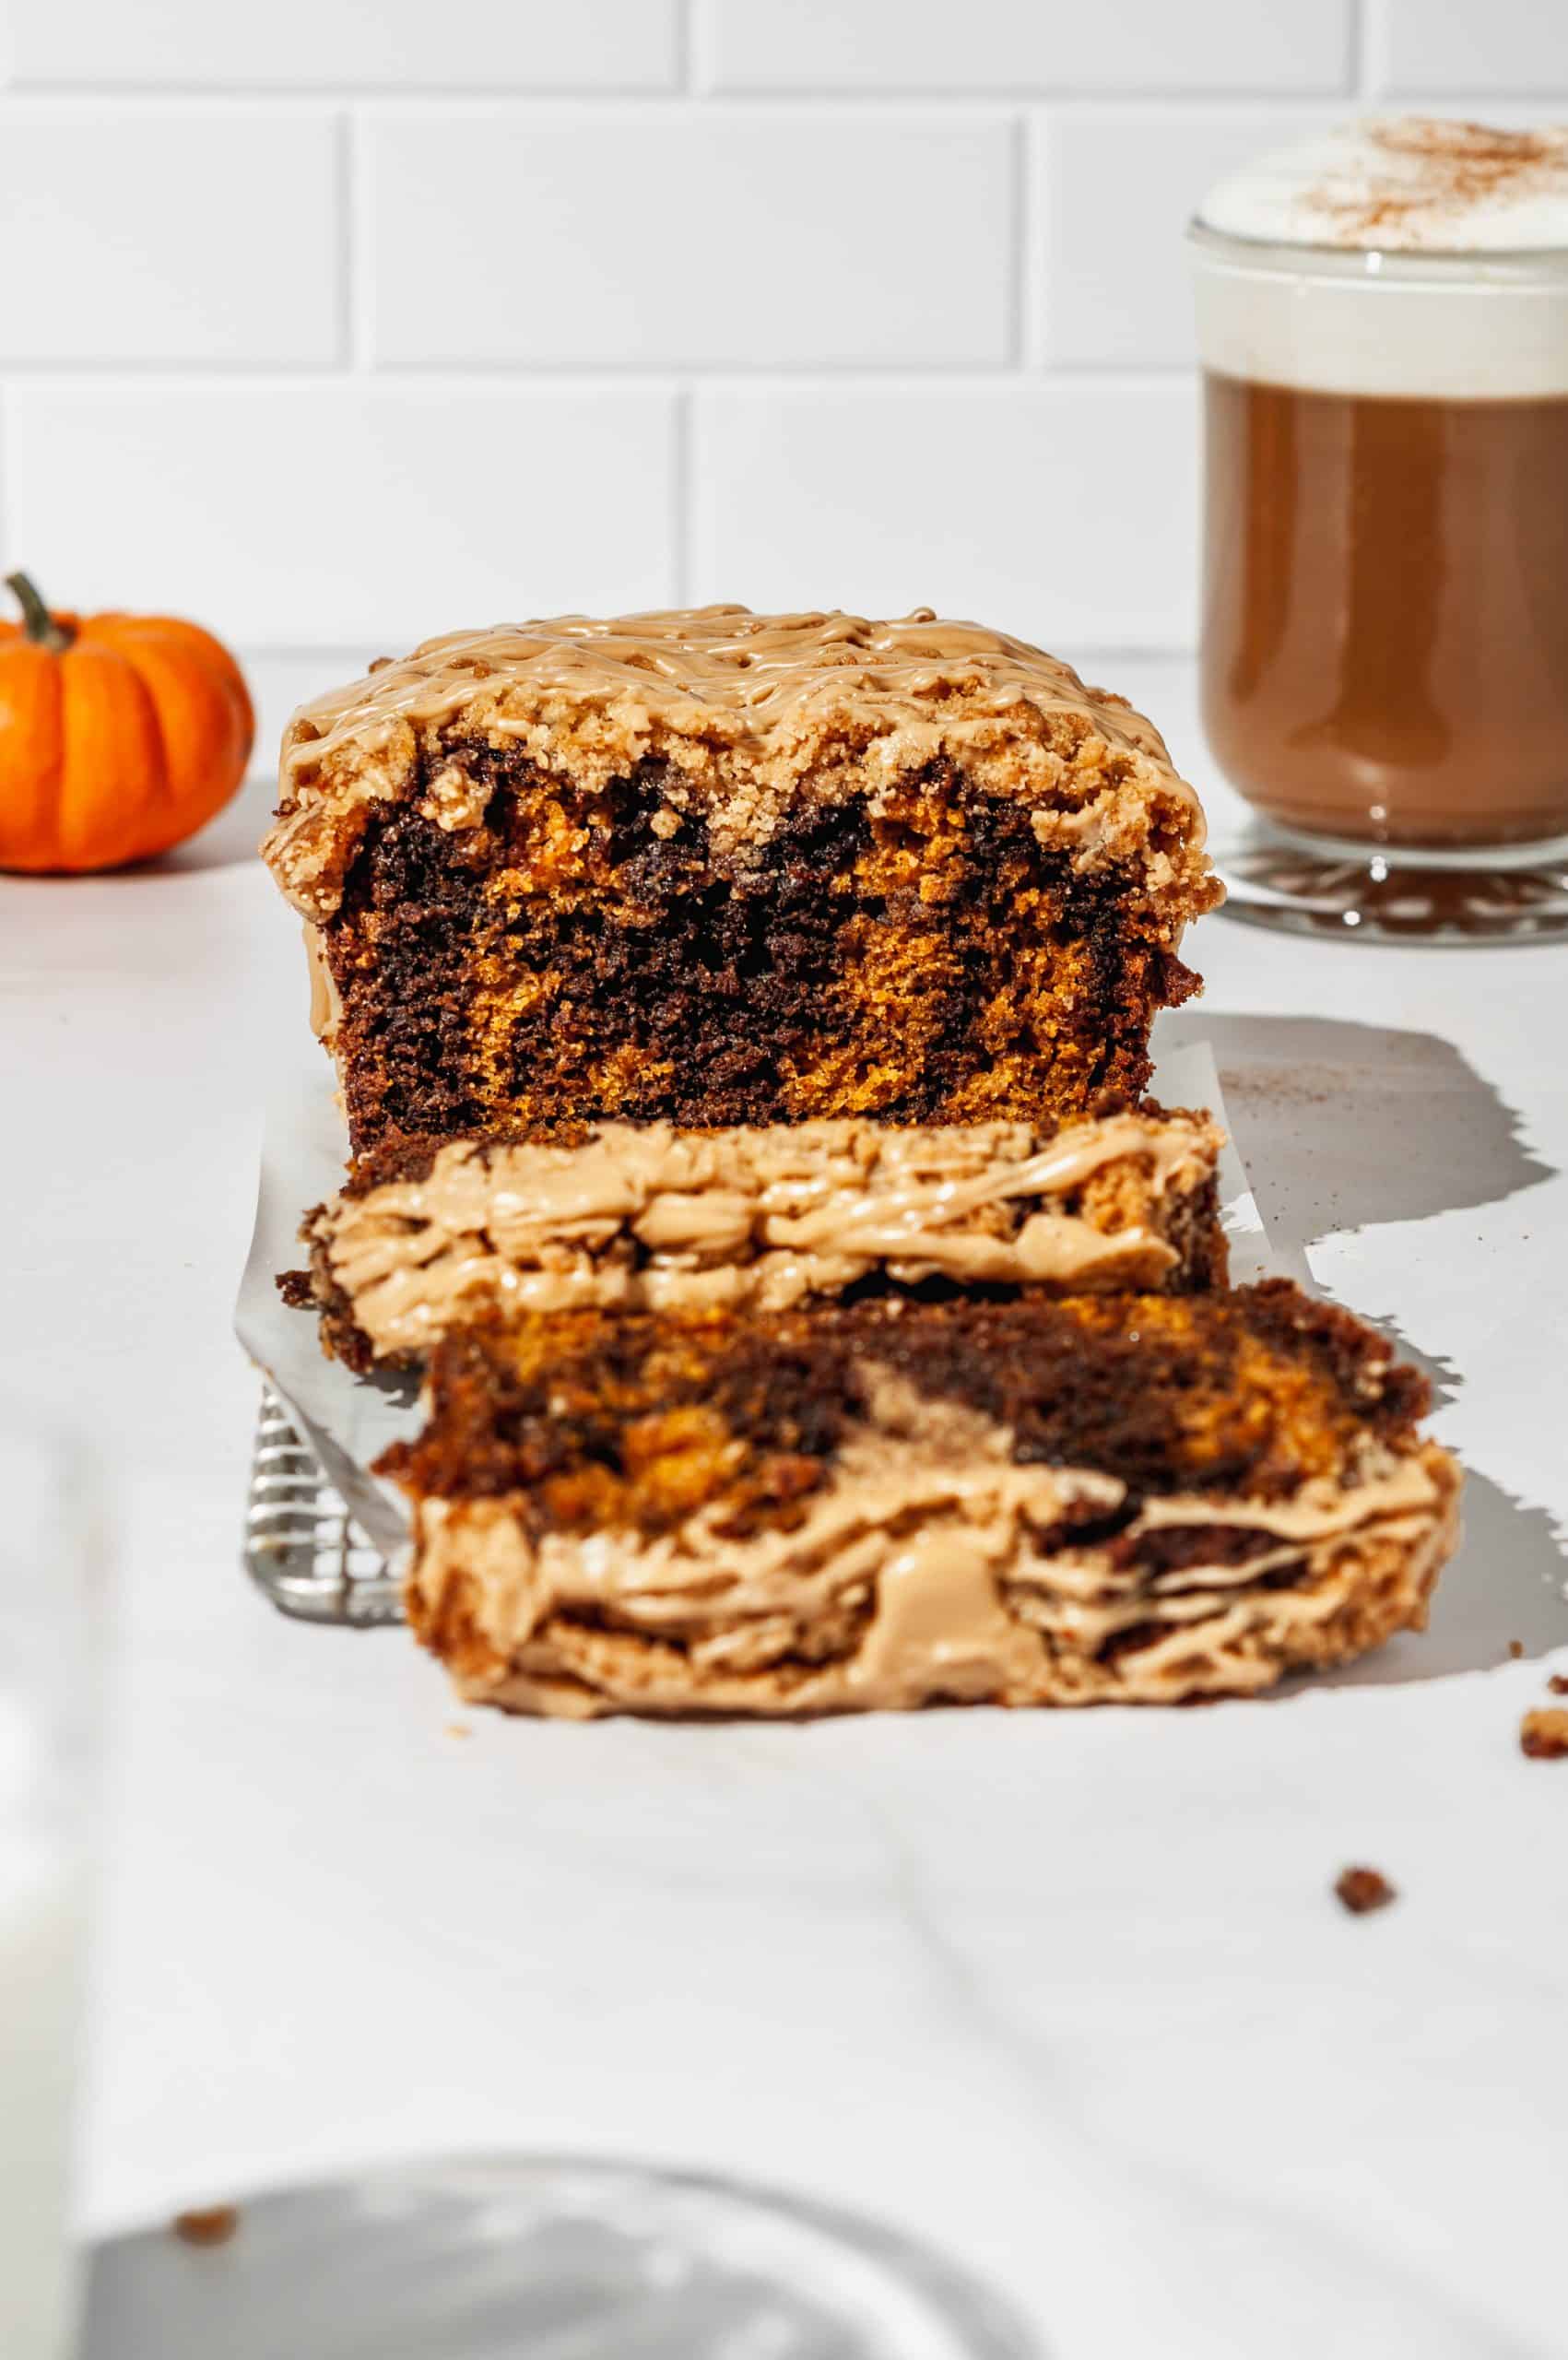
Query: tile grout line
{"points": [[553, 379], [682, 486], [1019, 193], [1367, 48], [7, 443], [1033, 237], [359, 346], [686, 36], [188, 97], [353, 651], [346, 274]]}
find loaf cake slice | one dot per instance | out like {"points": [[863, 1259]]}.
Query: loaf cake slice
{"points": [[429, 1234], [714, 867], [889, 1503]]}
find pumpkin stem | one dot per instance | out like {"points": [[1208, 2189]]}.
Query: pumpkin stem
{"points": [[37, 620]]}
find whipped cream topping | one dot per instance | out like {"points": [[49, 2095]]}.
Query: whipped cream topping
{"points": [[746, 711], [1412, 184], [925, 1570], [650, 1217], [1409, 259]]}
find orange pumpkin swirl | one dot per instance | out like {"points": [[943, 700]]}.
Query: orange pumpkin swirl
{"points": [[120, 736]]}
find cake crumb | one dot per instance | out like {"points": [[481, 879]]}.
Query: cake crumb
{"points": [[1558, 1683], [1364, 1889], [1515, 1648], [213, 2224], [460, 1728], [1544, 1735]]}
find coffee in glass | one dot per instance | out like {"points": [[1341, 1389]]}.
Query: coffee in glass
{"points": [[1382, 322]]}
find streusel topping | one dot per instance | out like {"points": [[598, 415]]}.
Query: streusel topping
{"points": [[747, 714]]}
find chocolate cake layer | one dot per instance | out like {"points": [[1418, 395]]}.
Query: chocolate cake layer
{"points": [[649, 1217], [715, 868], [1133, 1498]]}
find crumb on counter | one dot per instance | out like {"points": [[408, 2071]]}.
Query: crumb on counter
{"points": [[1516, 1646], [1364, 1889], [1543, 1735], [1558, 1683], [211, 2224]]}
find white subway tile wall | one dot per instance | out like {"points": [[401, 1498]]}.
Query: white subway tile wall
{"points": [[1059, 508], [1043, 48], [1108, 280], [342, 322], [191, 236], [692, 237], [343, 510], [347, 45], [1453, 49]]}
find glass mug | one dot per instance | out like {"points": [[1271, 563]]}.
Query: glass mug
{"points": [[1385, 638]]}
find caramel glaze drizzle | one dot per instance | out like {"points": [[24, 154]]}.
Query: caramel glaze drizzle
{"points": [[722, 671]]}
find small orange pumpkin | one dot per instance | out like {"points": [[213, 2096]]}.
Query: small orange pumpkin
{"points": [[120, 735]]}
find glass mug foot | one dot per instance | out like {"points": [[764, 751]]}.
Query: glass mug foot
{"points": [[493, 2257], [1302, 885]]}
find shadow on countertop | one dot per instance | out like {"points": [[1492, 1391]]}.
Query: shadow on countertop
{"points": [[229, 841], [1348, 1126]]}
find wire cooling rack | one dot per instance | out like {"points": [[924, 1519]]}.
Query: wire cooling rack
{"points": [[303, 1550]]}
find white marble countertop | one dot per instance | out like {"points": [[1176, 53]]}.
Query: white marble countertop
{"points": [[1070, 1996]]}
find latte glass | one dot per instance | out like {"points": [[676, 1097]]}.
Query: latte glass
{"points": [[1384, 639]]}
